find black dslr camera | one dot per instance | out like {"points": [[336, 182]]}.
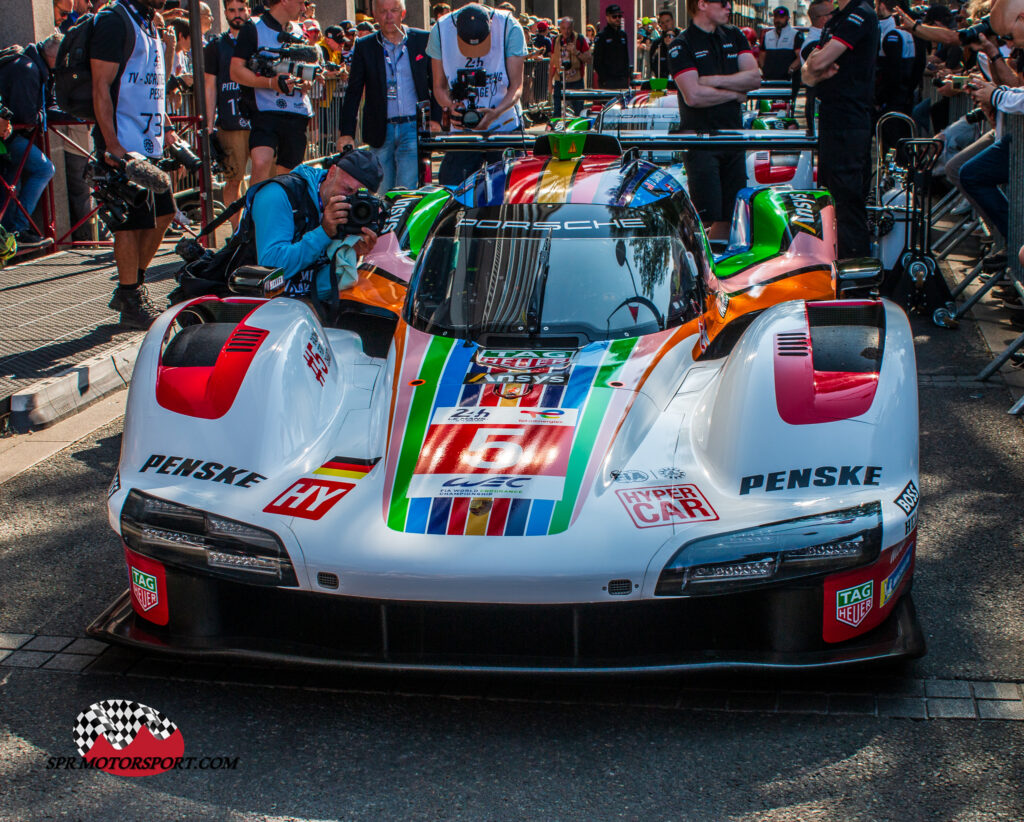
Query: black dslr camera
{"points": [[115, 193], [178, 155], [365, 211], [466, 89], [972, 34]]}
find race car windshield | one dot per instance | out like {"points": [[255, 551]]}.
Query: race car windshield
{"points": [[517, 271]]}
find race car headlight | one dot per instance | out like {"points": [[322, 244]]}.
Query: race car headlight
{"points": [[189, 538], [780, 552]]}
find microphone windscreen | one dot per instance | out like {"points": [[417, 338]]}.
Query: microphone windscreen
{"points": [[147, 175]]}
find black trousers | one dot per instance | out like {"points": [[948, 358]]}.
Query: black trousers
{"points": [[844, 163]]}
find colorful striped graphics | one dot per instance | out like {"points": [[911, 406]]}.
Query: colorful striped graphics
{"points": [[455, 468], [588, 179]]}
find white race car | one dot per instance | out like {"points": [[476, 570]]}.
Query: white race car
{"points": [[576, 444]]}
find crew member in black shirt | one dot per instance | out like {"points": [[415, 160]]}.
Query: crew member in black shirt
{"points": [[224, 102], [611, 52], [842, 70], [659, 48], [714, 69]]}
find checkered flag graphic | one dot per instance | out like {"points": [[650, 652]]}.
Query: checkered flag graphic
{"points": [[119, 720]]}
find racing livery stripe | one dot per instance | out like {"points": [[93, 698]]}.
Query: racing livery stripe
{"points": [[589, 181], [419, 408], [587, 431], [538, 180], [557, 181], [522, 182]]}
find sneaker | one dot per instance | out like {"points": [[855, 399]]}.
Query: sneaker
{"points": [[137, 309], [27, 239]]}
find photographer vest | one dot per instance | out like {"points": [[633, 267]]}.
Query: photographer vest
{"points": [[267, 100], [139, 107], [493, 63], [229, 93], [779, 52]]}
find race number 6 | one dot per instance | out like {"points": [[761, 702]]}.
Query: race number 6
{"points": [[493, 448]]}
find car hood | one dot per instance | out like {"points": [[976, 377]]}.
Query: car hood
{"points": [[508, 441]]}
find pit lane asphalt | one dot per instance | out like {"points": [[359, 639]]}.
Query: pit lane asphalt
{"points": [[356, 754]]}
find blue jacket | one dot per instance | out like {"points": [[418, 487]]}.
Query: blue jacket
{"points": [[274, 230]]}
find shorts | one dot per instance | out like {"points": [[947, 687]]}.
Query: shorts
{"points": [[143, 217], [714, 178], [235, 145], [285, 133]]}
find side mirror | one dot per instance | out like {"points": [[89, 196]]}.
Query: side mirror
{"points": [[858, 277], [256, 281]]}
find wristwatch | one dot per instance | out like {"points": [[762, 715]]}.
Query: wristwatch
{"points": [[916, 24]]}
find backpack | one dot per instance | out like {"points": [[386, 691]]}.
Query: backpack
{"points": [[209, 274], [72, 74], [10, 54]]}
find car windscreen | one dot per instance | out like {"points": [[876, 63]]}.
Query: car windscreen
{"points": [[592, 272]]}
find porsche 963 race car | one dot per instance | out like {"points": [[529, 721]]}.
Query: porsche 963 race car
{"points": [[564, 439]]}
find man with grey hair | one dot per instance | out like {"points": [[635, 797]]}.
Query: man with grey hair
{"points": [[570, 52], [24, 82], [391, 75]]}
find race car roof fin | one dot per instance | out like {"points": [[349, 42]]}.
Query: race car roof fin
{"points": [[576, 144]]}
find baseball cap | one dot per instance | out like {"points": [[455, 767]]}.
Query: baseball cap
{"points": [[613, 9], [310, 25], [473, 26], [364, 166], [345, 25], [334, 33], [781, 10], [364, 26], [541, 26]]}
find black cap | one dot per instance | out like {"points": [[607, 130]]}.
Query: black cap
{"points": [[781, 10], [345, 24], [364, 26], [613, 9], [473, 24], [364, 166], [334, 33]]}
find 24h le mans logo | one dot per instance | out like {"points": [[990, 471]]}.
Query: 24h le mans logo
{"points": [[144, 588], [853, 604]]}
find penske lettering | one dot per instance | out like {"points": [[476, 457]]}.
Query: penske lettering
{"points": [[201, 470], [666, 505], [824, 476]]}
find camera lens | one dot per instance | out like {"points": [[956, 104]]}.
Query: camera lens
{"points": [[361, 213], [471, 118]]}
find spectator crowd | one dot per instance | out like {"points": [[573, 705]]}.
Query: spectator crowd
{"points": [[377, 82]]}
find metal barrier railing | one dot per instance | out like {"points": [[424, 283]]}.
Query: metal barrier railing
{"points": [[535, 81]]}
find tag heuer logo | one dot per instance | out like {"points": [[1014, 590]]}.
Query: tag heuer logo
{"points": [[144, 588], [853, 604]]}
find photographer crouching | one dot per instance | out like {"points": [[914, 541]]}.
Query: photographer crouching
{"points": [[276, 67], [319, 248]]}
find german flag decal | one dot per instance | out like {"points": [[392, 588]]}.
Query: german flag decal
{"points": [[348, 467]]}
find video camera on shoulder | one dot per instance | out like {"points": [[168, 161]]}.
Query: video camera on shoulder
{"points": [[466, 89]]}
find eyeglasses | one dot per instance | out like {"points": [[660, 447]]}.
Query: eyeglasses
{"points": [[722, 3]]}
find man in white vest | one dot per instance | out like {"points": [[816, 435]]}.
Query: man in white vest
{"points": [[128, 99], [486, 40], [279, 107]]}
